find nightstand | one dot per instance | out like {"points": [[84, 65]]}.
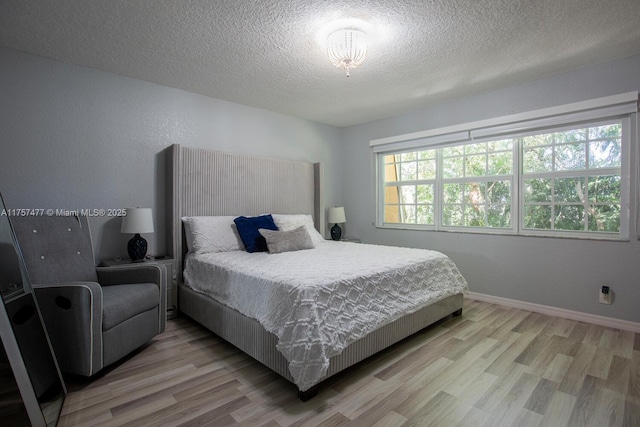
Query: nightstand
{"points": [[346, 239], [168, 275], [351, 239]]}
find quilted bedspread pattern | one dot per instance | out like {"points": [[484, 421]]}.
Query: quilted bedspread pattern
{"points": [[319, 301]]}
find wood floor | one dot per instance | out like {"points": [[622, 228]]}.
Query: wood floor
{"points": [[493, 366]]}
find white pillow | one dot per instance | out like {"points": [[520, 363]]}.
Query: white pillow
{"points": [[291, 222], [206, 234]]}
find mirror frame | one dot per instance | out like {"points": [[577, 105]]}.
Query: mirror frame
{"points": [[12, 347]]}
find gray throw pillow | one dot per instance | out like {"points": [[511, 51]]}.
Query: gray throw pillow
{"points": [[286, 241]]}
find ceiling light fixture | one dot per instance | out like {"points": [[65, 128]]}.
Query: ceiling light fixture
{"points": [[347, 48]]}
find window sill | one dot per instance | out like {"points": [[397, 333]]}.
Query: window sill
{"points": [[602, 238]]}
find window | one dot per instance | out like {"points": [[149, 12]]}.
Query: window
{"points": [[546, 177], [409, 187], [476, 184], [572, 179]]}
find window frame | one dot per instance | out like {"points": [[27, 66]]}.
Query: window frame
{"points": [[620, 113]]}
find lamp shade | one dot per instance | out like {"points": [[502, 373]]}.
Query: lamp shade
{"points": [[336, 215], [138, 220]]}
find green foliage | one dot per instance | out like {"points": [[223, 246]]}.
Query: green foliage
{"points": [[424, 194], [604, 218], [565, 199], [604, 189], [570, 156], [452, 167], [537, 217], [480, 159], [424, 214], [538, 159], [569, 217], [605, 154], [537, 190], [427, 169]]}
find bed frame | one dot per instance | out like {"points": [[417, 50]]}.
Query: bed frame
{"points": [[204, 182]]}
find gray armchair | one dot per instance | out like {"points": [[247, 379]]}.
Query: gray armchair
{"points": [[94, 316]]}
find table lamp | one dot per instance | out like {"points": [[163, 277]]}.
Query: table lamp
{"points": [[137, 221], [336, 216]]}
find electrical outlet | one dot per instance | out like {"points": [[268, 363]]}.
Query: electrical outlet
{"points": [[604, 297]]}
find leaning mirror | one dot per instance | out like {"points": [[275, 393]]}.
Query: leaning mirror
{"points": [[32, 390]]}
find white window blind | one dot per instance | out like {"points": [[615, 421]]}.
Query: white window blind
{"points": [[600, 108]]}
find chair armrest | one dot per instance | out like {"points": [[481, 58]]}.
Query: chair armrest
{"points": [[72, 314], [108, 276]]}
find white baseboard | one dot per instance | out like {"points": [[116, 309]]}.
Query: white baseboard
{"points": [[609, 322]]}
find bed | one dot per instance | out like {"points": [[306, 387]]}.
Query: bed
{"points": [[206, 184]]}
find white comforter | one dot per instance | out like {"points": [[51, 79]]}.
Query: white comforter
{"points": [[319, 301]]}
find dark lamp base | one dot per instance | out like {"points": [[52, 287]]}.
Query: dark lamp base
{"points": [[336, 232], [137, 248]]}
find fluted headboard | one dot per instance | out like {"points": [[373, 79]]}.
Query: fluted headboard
{"points": [[205, 183]]}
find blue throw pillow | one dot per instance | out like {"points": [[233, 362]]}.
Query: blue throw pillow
{"points": [[248, 230]]}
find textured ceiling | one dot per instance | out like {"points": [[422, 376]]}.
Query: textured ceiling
{"points": [[268, 53]]}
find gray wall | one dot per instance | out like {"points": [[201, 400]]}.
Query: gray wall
{"points": [[73, 137], [565, 273]]}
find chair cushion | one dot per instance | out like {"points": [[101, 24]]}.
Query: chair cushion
{"points": [[122, 302]]}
